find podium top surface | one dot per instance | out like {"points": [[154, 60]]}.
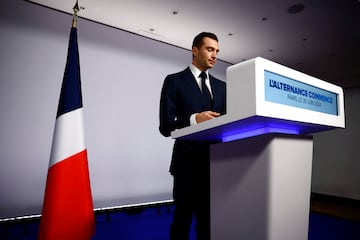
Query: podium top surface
{"points": [[263, 96]]}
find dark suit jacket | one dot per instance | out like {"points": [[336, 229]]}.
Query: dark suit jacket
{"points": [[180, 98]]}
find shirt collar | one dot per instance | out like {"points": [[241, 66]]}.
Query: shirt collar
{"points": [[196, 72]]}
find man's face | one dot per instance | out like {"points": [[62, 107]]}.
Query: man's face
{"points": [[205, 56]]}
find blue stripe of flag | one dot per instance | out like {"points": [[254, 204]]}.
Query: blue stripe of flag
{"points": [[71, 96]]}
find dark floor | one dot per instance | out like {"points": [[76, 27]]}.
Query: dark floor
{"points": [[335, 206], [330, 219]]}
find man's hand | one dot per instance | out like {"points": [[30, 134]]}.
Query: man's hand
{"points": [[207, 115]]}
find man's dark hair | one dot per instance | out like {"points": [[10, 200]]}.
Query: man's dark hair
{"points": [[198, 40]]}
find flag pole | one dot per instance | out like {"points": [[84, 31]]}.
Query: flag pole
{"points": [[76, 10]]}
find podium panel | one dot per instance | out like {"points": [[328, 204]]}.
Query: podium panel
{"points": [[260, 188]]}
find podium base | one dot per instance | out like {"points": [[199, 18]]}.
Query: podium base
{"points": [[260, 188]]}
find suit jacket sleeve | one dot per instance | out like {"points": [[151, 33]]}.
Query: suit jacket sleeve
{"points": [[169, 119]]}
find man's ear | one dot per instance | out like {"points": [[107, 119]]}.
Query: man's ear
{"points": [[194, 51]]}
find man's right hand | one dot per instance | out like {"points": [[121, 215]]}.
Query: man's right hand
{"points": [[207, 115]]}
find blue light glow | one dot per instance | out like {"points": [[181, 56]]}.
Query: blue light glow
{"points": [[253, 126], [258, 131]]}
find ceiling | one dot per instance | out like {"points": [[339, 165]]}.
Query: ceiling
{"points": [[322, 40]]}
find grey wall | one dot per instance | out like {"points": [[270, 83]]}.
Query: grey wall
{"points": [[122, 75], [336, 163]]}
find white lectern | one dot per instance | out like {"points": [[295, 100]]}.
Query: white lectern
{"points": [[261, 171]]}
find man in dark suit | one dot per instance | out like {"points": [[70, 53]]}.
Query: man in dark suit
{"points": [[186, 101]]}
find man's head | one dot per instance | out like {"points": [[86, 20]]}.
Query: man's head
{"points": [[205, 48]]}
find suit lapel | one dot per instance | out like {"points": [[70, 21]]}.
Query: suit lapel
{"points": [[194, 87], [216, 92], [191, 81]]}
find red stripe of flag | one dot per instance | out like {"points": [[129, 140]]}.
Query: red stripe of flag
{"points": [[68, 209]]}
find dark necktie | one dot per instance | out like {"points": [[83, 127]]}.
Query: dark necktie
{"points": [[205, 91]]}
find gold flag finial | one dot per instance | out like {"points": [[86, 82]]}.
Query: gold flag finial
{"points": [[76, 10]]}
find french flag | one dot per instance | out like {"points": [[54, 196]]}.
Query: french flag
{"points": [[68, 207]]}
